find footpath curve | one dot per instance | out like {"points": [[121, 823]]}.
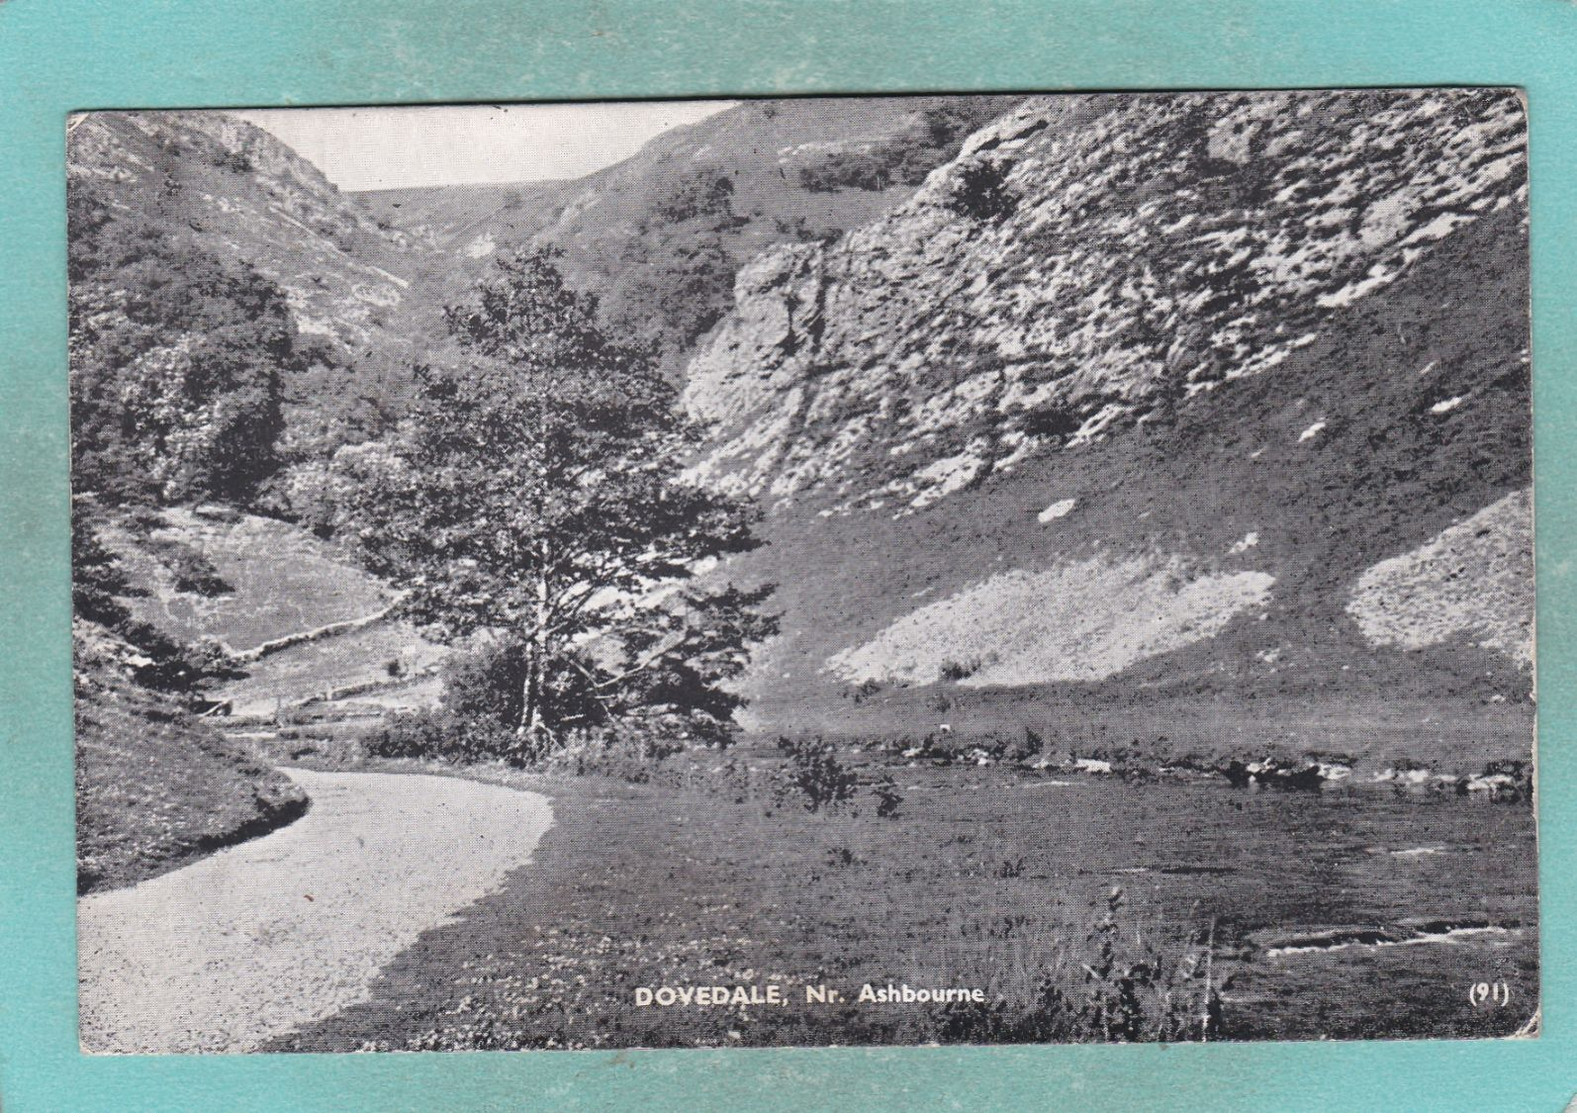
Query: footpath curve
{"points": [[262, 938]]}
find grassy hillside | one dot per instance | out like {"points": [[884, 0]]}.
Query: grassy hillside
{"points": [[660, 236], [302, 617], [156, 786], [1229, 484]]}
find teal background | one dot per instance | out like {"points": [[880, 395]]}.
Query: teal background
{"points": [[62, 55]]}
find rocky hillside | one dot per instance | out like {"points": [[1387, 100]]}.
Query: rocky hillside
{"points": [[224, 187], [1168, 390], [1086, 260], [657, 237], [237, 190], [660, 236], [1165, 387]]}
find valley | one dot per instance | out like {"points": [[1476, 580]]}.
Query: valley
{"points": [[1136, 494]]}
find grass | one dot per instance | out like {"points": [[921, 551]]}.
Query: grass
{"points": [[641, 895], [1085, 909], [315, 668], [156, 790], [242, 580]]}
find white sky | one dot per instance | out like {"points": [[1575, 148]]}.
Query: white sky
{"points": [[383, 148]]}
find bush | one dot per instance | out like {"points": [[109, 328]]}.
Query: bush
{"points": [[869, 688], [195, 574], [981, 193], [815, 774], [420, 735], [888, 798], [954, 670], [437, 735]]}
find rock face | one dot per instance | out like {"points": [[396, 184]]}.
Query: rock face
{"points": [[1192, 391], [1086, 263], [660, 235]]}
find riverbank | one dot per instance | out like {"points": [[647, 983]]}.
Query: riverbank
{"points": [[982, 877]]}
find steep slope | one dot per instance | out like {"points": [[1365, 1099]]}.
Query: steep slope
{"points": [[1203, 393], [221, 185], [306, 625], [660, 235], [1086, 260], [155, 786]]}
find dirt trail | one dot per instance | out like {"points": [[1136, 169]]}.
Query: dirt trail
{"points": [[259, 939]]}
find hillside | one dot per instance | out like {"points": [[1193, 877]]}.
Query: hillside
{"points": [[1092, 391], [657, 237], [156, 787], [660, 235], [222, 186], [1157, 391], [307, 627]]}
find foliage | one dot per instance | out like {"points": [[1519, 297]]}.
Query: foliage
{"points": [[668, 299], [701, 194], [176, 360], [981, 192], [534, 498], [191, 570], [1117, 986], [816, 775], [676, 280], [888, 797], [954, 670]]}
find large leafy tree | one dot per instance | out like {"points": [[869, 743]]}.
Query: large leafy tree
{"points": [[533, 496]]}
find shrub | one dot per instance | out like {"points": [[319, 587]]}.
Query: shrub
{"points": [[954, 670], [195, 574], [981, 193], [437, 735], [888, 798], [815, 774], [140, 521], [869, 688]]}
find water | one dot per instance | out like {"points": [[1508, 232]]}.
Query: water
{"points": [[1353, 912]]}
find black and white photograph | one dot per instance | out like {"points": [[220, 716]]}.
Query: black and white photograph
{"points": [[821, 571]]}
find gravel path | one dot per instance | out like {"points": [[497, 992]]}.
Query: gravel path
{"points": [[264, 937]]}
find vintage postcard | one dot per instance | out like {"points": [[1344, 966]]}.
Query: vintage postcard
{"points": [[817, 571]]}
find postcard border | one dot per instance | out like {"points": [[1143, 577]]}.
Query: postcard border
{"points": [[59, 56]]}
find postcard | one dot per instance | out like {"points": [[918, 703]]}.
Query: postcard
{"points": [[904, 570]]}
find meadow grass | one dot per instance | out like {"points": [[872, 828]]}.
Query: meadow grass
{"points": [[1084, 907], [715, 873]]}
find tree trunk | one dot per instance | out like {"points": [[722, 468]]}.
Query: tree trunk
{"points": [[531, 730]]}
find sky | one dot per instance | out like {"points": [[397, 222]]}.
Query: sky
{"points": [[385, 148]]}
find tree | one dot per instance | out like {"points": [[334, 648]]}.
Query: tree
{"points": [[176, 361], [533, 497]]}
